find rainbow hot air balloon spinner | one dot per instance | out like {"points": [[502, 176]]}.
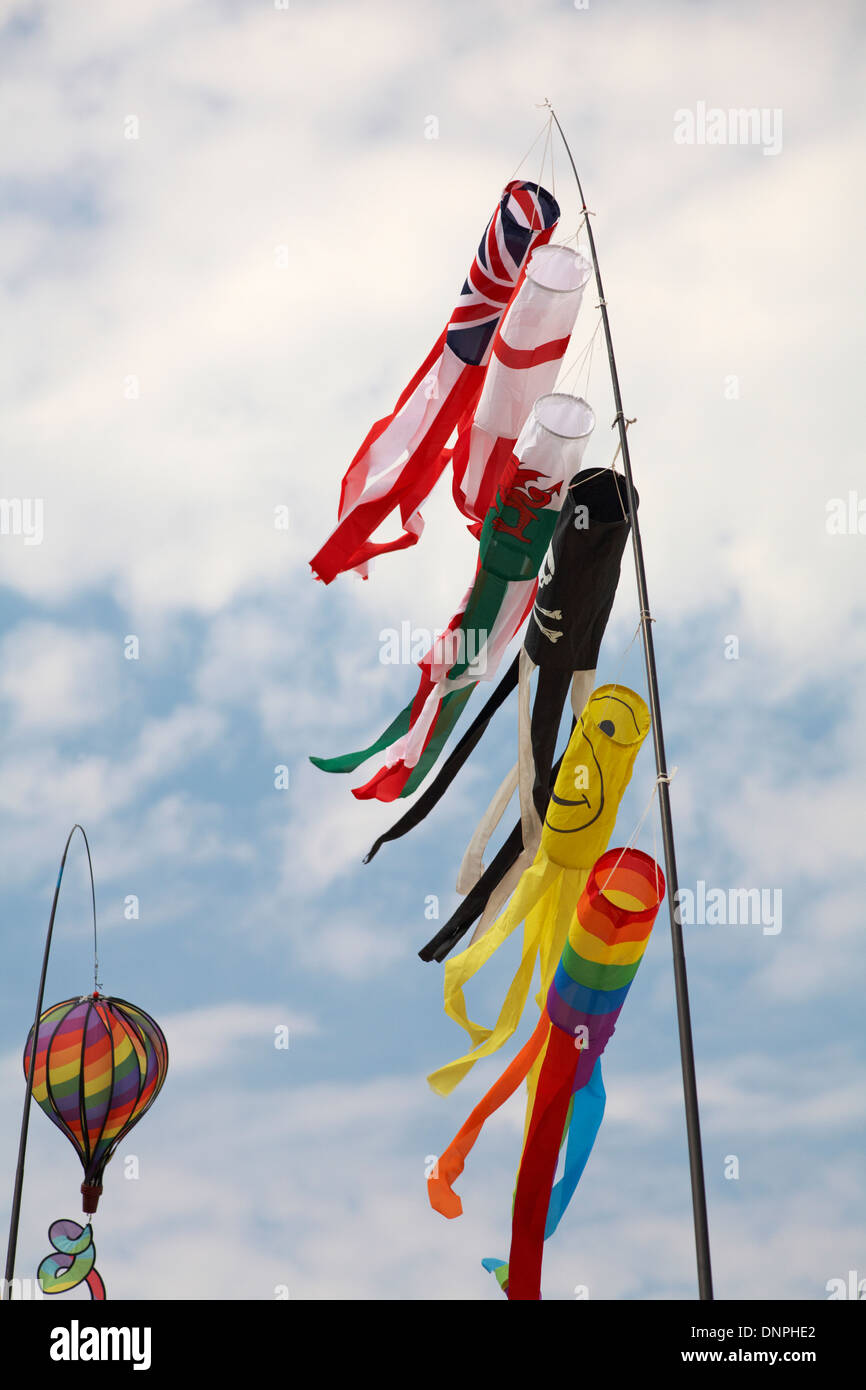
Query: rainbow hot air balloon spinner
{"points": [[100, 1064]]}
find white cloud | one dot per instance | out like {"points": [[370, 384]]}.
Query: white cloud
{"points": [[44, 791], [353, 950], [205, 1039], [59, 678]]}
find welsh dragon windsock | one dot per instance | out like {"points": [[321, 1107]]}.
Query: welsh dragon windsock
{"points": [[514, 538], [406, 451]]}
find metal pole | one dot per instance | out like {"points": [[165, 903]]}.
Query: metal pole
{"points": [[6, 1291], [687, 1056]]}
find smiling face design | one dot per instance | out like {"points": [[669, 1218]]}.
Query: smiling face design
{"points": [[596, 768], [572, 810]]}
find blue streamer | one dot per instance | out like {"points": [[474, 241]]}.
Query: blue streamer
{"points": [[586, 1117]]}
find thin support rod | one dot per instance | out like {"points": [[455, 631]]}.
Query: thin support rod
{"points": [[687, 1056], [6, 1291]]}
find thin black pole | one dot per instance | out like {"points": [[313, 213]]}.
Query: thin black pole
{"points": [[687, 1055], [6, 1291]]}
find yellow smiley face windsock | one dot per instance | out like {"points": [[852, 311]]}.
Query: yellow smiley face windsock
{"points": [[580, 818]]}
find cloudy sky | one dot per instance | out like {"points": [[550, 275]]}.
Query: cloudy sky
{"points": [[227, 241]]}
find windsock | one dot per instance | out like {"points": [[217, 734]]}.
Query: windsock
{"points": [[593, 776], [405, 452], [607, 938], [527, 355], [515, 536]]}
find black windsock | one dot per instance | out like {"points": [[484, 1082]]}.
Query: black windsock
{"points": [[578, 579], [576, 590], [551, 693]]}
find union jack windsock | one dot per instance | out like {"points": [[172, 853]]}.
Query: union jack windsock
{"points": [[514, 538], [406, 451], [527, 354]]}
